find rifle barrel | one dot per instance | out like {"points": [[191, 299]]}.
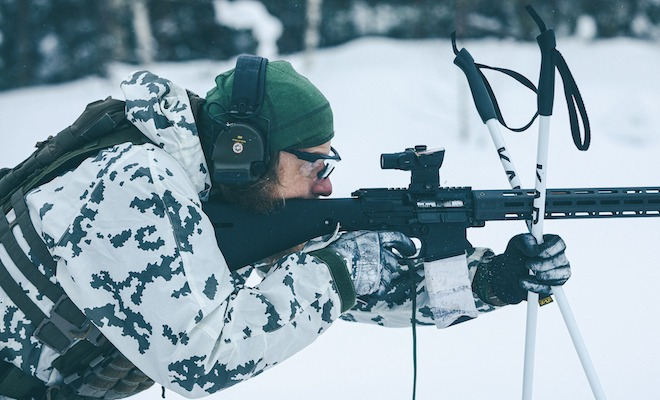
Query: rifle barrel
{"points": [[502, 205]]}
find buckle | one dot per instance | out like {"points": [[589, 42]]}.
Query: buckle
{"points": [[59, 333], [90, 333]]}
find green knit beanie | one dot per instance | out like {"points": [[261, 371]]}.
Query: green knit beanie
{"points": [[294, 112]]}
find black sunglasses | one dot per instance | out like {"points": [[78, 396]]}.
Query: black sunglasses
{"points": [[315, 159]]}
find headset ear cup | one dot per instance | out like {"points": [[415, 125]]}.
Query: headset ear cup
{"points": [[239, 155], [240, 152]]}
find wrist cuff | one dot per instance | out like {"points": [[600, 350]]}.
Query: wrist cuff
{"points": [[481, 285], [341, 277]]}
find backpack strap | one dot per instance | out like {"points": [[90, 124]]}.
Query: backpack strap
{"points": [[92, 368], [18, 385], [103, 124], [66, 322]]}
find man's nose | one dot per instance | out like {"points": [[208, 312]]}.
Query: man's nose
{"points": [[322, 187]]}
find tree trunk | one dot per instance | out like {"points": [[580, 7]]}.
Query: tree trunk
{"points": [[312, 31], [142, 27]]}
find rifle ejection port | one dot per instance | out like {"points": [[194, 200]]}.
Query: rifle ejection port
{"points": [[441, 204], [427, 204]]}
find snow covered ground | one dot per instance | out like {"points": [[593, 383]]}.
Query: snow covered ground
{"points": [[388, 95]]}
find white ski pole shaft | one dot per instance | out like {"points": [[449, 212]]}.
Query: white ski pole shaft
{"points": [[537, 231], [505, 158], [487, 113], [558, 291], [578, 342], [547, 45]]}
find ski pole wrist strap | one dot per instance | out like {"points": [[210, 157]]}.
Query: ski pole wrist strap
{"points": [[474, 73], [551, 60]]}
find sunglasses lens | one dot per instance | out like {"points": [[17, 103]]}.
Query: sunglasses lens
{"points": [[319, 169], [317, 165], [327, 169]]}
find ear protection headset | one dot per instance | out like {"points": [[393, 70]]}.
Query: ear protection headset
{"points": [[240, 152]]}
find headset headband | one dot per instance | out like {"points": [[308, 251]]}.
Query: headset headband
{"points": [[248, 87]]}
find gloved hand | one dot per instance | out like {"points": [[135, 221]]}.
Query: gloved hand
{"points": [[369, 258], [506, 279]]}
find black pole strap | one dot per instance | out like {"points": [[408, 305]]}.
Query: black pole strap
{"points": [[573, 100], [482, 92], [552, 59], [520, 78]]}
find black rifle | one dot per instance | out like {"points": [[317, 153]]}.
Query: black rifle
{"points": [[437, 216]]}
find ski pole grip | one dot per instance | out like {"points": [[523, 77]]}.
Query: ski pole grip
{"points": [[480, 95], [546, 93]]}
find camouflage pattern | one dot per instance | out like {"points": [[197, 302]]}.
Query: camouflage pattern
{"points": [[136, 253], [18, 345], [394, 308]]}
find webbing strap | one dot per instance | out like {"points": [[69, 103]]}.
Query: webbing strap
{"points": [[18, 296], [23, 263], [18, 385], [109, 376], [37, 246], [66, 322], [48, 329]]}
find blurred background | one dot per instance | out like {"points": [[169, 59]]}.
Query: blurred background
{"points": [[51, 41], [386, 67]]}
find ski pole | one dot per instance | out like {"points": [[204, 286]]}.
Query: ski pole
{"points": [[547, 44], [486, 111], [484, 104]]}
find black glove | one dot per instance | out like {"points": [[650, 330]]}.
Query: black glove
{"points": [[506, 279]]}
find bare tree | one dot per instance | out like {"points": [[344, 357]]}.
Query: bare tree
{"points": [[117, 30], [142, 27], [312, 32], [252, 15]]}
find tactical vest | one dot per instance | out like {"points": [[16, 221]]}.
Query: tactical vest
{"points": [[91, 366]]}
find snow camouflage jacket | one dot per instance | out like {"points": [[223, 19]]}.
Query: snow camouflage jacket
{"points": [[136, 253]]}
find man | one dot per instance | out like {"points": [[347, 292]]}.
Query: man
{"points": [[136, 254]]}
